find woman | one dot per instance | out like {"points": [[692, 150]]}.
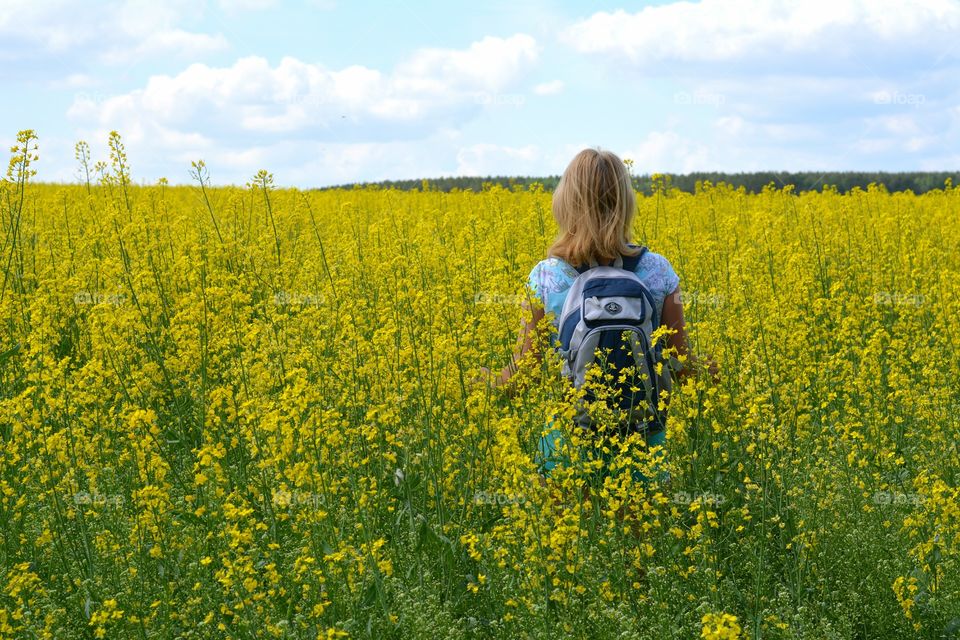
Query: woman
{"points": [[594, 205]]}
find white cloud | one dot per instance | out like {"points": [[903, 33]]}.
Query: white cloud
{"points": [[489, 64], [815, 84], [221, 113], [251, 96], [667, 151], [780, 34], [112, 31], [549, 88], [485, 159]]}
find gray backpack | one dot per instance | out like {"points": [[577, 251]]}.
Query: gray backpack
{"points": [[607, 319]]}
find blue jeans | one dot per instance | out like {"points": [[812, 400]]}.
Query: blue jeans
{"points": [[549, 456]]}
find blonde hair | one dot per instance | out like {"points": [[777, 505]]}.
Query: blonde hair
{"points": [[594, 205]]}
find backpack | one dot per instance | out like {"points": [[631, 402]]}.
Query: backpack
{"points": [[609, 307]]}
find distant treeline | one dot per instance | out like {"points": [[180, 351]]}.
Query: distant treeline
{"points": [[916, 181]]}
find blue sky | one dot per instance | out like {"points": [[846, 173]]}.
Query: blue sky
{"points": [[324, 91]]}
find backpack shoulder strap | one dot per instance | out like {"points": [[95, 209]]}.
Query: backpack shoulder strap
{"points": [[630, 262]]}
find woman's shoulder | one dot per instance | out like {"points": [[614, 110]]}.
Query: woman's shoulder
{"points": [[651, 258], [554, 264], [656, 269], [551, 274]]}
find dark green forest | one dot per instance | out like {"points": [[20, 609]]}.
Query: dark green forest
{"points": [[915, 181]]}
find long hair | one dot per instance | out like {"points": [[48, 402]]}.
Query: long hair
{"points": [[594, 205]]}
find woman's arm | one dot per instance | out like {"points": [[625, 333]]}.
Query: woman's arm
{"points": [[527, 342], [672, 317]]}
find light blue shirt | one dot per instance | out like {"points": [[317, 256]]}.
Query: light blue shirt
{"points": [[550, 281]]}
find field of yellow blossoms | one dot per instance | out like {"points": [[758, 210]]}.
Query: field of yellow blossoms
{"points": [[252, 412]]}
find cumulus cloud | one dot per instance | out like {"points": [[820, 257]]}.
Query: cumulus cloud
{"points": [[115, 31], [714, 84], [785, 35], [295, 96], [790, 83], [488, 64], [253, 104]]}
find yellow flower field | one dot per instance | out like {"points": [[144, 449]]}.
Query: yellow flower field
{"points": [[251, 412]]}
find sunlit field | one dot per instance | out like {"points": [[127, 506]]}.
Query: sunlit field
{"points": [[253, 412]]}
